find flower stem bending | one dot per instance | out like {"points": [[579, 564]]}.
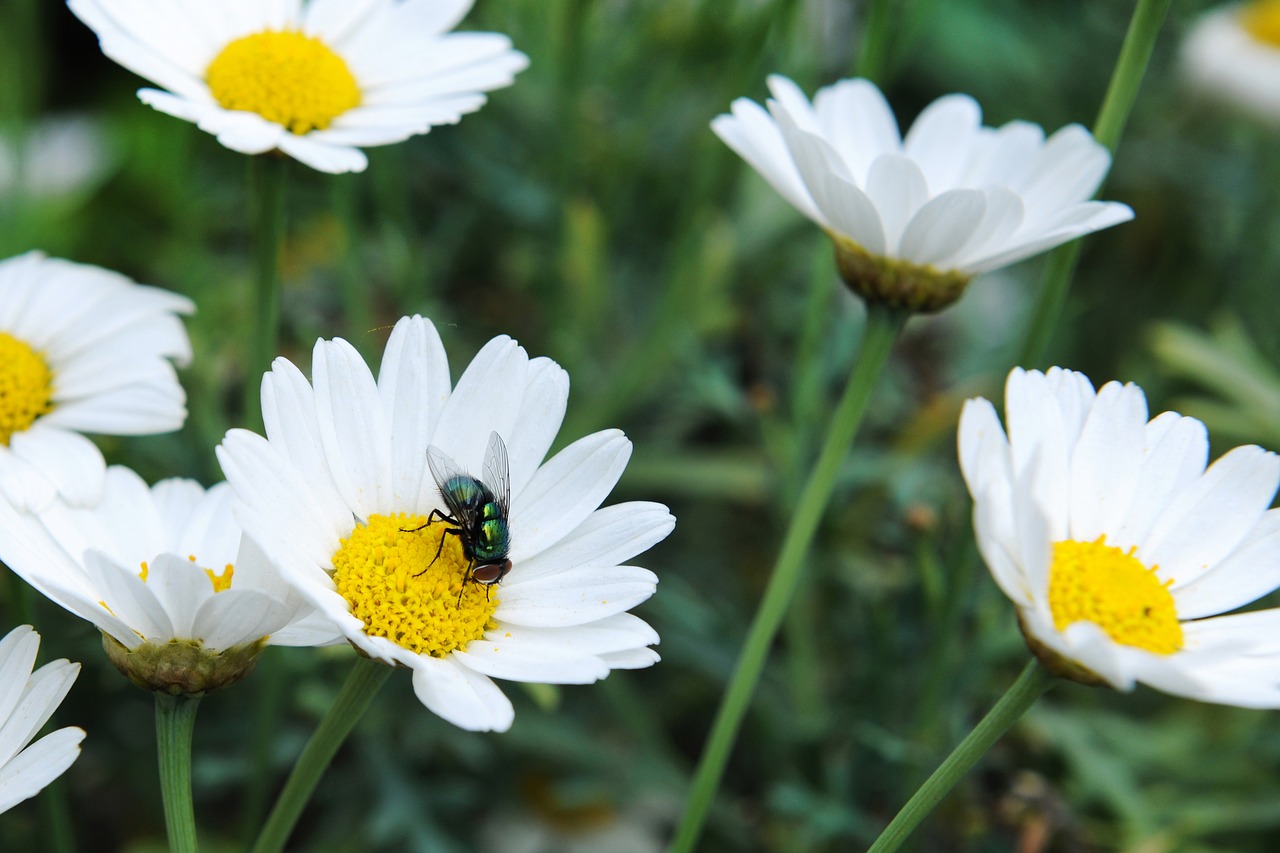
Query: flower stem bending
{"points": [[883, 327], [357, 692], [1135, 54], [175, 723], [1033, 682], [266, 182]]}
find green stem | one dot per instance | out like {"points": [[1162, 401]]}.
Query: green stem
{"points": [[267, 181], [357, 692], [1135, 54], [1033, 682], [882, 329], [175, 722], [873, 55]]}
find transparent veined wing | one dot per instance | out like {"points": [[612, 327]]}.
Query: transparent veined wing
{"points": [[497, 472], [444, 471]]}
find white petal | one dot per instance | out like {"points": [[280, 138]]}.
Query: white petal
{"points": [[70, 461], [508, 658], [414, 386], [942, 227], [1211, 517], [608, 537], [1106, 462], [38, 765], [1249, 572], [564, 491], [355, 434], [575, 597], [461, 696]]}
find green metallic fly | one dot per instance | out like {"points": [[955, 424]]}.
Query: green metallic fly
{"points": [[478, 510]]}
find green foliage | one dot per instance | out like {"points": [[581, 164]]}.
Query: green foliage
{"points": [[589, 212]]}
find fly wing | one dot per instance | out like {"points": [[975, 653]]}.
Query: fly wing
{"points": [[444, 469], [497, 473]]}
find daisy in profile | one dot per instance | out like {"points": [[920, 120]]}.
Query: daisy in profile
{"points": [[82, 350], [1233, 53], [421, 518], [315, 79], [915, 217], [1119, 547], [185, 603], [27, 701]]}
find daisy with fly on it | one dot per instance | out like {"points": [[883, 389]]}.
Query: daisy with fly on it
{"points": [[315, 79], [341, 495]]}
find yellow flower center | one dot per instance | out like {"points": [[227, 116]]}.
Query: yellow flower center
{"points": [[289, 78], [26, 387], [1099, 583], [390, 575], [1262, 21]]}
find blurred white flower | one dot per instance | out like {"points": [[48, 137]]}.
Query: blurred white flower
{"points": [[316, 79], [952, 198], [341, 497], [27, 701], [1119, 547], [160, 570], [59, 157], [1233, 53], [82, 350]]}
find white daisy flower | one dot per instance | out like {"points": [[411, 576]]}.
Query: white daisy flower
{"points": [[82, 350], [54, 158], [316, 79], [182, 599], [27, 701], [914, 218], [342, 495], [1233, 53], [1119, 547]]}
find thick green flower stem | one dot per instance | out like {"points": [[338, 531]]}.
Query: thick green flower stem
{"points": [[1135, 54], [266, 186], [175, 722], [882, 329], [357, 692], [1033, 682]]}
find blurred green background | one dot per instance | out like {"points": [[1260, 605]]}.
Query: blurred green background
{"points": [[589, 212]]}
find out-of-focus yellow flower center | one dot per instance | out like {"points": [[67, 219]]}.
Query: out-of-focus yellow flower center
{"points": [[26, 387], [1099, 583], [221, 580], [384, 569], [286, 77], [1261, 20]]}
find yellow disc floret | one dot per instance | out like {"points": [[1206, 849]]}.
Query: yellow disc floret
{"points": [[1262, 21], [1099, 583], [26, 387], [385, 571], [289, 78]]}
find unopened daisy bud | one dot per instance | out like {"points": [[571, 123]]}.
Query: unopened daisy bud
{"points": [[1233, 54], [1119, 547], [316, 80], [914, 218], [185, 602], [183, 667], [425, 524]]}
